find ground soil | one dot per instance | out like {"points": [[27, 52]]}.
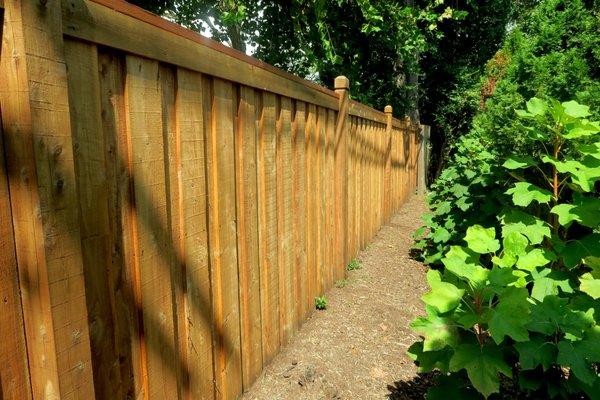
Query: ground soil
{"points": [[356, 349]]}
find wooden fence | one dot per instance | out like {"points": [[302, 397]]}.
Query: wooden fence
{"points": [[169, 207]]}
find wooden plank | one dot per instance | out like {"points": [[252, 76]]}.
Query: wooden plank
{"points": [[368, 113], [223, 237], [176, 248], [119, 25], [321, 243], [334, 258], [14, 374], [267, 222], [284, 218], [39, 158], [247, 220], [123, 282], [311, 204], [299, 187], [145, 126], [195, 331], [90, 167]]}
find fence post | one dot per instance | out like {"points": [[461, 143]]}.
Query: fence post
{"points": [[342, 86], [388, 164], [40, 166], [423, 160]]}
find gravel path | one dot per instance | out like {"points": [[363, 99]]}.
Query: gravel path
{"points": [[356, 348]]}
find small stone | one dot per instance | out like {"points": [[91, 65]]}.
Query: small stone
{"points": [[295, 362]]}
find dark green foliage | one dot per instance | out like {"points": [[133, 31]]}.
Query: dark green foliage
{"points": [[553, 52], [520, 298]]}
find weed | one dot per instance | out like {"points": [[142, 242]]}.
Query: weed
{"points": [[354, 265], [342, 283], [321, 303]]}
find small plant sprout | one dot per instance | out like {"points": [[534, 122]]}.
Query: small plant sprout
{"points": [[342, 283], [354, 265], [321, 303]]}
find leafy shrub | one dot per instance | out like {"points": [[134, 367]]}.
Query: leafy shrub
{"points": [[552, 52], [522, 299]]}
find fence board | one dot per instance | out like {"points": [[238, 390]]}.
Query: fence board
{"points": [[267, 222], [222, 236], [14, 375], [284, 218], [299, 237], [247, 218]]}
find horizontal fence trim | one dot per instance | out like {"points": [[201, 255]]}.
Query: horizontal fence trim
{"points": [[125, 27]]}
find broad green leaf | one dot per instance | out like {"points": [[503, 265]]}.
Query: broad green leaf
{"points": [[579, 355], [537, 351], [590, 286], [438, 332], [511, 315], [546, 316], [518, 162], [506, 261], [547, 282], [576, 110], [482, 240], [440, 235], [430, 360], [524, 193], [582, 130], [535, 258], [443, 296], [537, 106], [554, 314], [591, 150], [576, 251], [515, 244], [499, 278], [462, 264], [584, 210], [482, 365], [517, 221]]}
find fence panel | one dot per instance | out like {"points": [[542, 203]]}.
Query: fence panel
{"points": [[176, 205]]}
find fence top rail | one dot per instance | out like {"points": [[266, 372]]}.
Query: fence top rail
{"points": [[140, 14], [126, 27]]}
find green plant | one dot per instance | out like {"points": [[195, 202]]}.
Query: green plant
{"points": [[523, 299], [342, 283], [321, 303], [354, 265]]}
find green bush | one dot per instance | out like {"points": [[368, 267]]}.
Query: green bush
{"points": [[552, 52], [522, 298]]}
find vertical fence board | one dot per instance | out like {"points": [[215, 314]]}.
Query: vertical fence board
{"points": [[222, 236], [267, 222], [284, 218], [311, 204], [332, 255], [14, 374], [91, 170], [299, 238], [122, 275], [247, 217], [196, 328], [40, 167], [145, 126]]}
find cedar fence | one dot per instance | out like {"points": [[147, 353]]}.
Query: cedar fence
{"points": [[170, 207]]}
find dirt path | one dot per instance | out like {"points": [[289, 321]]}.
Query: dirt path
{"points": [[356, 348]]}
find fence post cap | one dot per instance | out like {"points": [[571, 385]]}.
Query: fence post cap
{"points": [[341, 82], [388, 109]]}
